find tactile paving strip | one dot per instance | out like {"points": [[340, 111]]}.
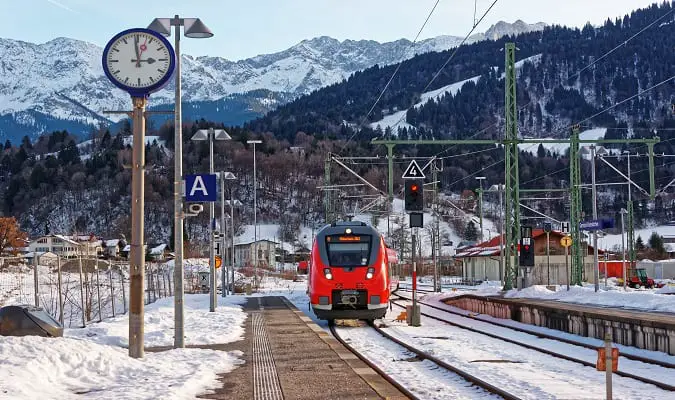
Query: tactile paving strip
{"points": [[266, 384]]}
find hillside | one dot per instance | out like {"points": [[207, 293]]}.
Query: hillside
{"points": [[551, 91]]}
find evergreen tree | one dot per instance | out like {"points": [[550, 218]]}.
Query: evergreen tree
{"points": [[471, 233], [656, 243], [639, 244]]}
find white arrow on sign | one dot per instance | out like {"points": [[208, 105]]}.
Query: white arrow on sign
{"points": [[413, 171]]}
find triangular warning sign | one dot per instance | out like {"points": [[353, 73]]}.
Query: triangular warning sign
{"points": [[413, 171]]}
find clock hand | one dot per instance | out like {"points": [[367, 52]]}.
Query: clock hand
{"points": [[138, 52], [149, 61]]}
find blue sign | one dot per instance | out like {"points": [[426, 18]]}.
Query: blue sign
{"points": [[592, 225], [201, 188], [596, 224]]}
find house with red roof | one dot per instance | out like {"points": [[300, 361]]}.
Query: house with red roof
{"points": [[484, 261]]}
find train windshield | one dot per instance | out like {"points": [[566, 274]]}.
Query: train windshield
{"points": [[348, 251]]}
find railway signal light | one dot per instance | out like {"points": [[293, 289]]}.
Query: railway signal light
{"points": [[527, 254], [414, 195]]}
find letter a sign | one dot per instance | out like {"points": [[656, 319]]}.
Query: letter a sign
{"points": [[201, 188], [413, 171]]}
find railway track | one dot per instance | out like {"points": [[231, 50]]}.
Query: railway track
{"points": [[643, 379], [542, 335], [465, 376]]}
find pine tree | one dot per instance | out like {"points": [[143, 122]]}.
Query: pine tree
{"points": [[471, 233], [656, 243], [639, 244]]}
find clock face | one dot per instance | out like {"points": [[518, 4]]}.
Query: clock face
{"points": [[138, 60]]}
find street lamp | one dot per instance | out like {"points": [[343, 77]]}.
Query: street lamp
{"points": [[211, 135], [255, 216], [623, 247], [224, 176], [194, 28]]}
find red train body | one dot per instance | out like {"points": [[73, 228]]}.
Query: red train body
{"points": [[349, 272]]}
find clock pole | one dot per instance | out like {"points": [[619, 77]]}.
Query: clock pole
{"points": [[137, 264]]}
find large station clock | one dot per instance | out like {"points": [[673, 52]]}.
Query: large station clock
{"points": [[139, 61]]}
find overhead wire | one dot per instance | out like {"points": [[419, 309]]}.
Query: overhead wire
{"points": [[386, 86], [452, 55], [623, 43]]}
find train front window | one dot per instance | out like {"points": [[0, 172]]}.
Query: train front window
{"points": [[348, 251]]}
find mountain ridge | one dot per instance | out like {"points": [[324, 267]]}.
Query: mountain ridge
{"points": [[55, 79]]}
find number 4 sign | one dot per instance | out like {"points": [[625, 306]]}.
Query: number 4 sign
{"points": [[413, 171]]}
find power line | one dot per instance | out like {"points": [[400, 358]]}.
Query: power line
{"points": [[596, 61], [412, 44], [621, 44], [452, 55]]}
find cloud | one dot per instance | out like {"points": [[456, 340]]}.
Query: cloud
{"points": [[61, 5]]}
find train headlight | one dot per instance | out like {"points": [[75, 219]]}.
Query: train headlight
{"points": [[327, 273], [370, 273]]}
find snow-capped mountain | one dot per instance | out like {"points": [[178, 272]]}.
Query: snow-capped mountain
{"points": [[61, 85]]}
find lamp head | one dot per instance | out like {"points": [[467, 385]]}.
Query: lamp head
{"points": [[195, 28], [161, 26]]}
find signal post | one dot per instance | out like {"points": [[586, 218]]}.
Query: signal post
{"points": [[414, 205]]}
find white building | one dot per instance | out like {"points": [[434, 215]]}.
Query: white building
{"points": [[245, 253], [57, 244]]}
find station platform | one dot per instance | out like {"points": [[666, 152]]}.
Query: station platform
{"points": [[643, 329], [288, 356]]}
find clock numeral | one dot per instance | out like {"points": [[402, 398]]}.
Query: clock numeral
{"points": [[152, 80], [163, 59], [160, 70], [151, 39], [126, 80], [139, 81], [116, 49], [114, 60], [125, 40], [116, 72]]}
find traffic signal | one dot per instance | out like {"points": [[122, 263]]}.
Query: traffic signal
{"points": [[526, 258], [414, 195]]}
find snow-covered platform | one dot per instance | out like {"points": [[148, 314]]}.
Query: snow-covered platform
{"points": [[288, 356], [643, 329]]}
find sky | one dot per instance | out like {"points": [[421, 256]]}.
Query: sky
{"points": [[244, 29]]}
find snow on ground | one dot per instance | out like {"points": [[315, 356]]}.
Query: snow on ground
{"points": [[561, 148], [435, 300], [68, 368], [201, 326], [94, 361], [611, 241], [610, 296], [526, 373]]}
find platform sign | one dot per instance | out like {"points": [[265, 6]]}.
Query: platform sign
{"points": [[201, 187], [413, 171], [565, 227], [590, 225], [596, 224], [566, 241]]}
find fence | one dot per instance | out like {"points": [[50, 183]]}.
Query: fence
{"points": [[78, 291]]}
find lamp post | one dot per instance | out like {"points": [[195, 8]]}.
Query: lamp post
{"points": [[232, 203], [211, 135], [480, 179], [224, 176], [255, 217], [193, 28], [623, 247]]}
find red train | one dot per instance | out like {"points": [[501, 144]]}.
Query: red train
{"points": [[349, 272]]}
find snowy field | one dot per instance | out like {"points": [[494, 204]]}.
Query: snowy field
{"points": [[93, 361]]}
